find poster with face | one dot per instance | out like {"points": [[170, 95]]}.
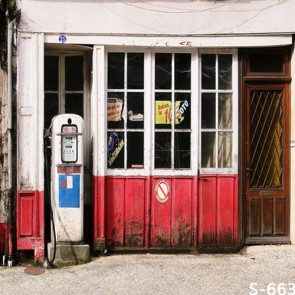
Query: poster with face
{"points": [[114, 109]]}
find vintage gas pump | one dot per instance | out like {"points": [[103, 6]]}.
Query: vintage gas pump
{"points": [[67, 188]]}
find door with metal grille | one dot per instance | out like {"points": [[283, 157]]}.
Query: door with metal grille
{"points": [[266, 168]]}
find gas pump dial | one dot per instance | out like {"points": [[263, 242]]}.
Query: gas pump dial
{"points": [[69, 144]]}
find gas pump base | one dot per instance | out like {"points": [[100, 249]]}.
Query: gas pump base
{"points": [[68, 254]]}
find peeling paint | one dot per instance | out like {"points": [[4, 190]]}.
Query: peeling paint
{"points": [[182, 236], [3, 238], [134, 234], [162, 239], [115, 241]]}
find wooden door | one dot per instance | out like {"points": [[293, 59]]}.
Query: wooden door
{"points": [[266, 165]]}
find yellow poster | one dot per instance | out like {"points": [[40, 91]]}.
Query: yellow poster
{"points": [[164, 111]]}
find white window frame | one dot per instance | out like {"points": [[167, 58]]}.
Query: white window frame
{"points": [[145, 171], [86, 92], [149, 113], [235, 110], [194, 122], [61, 79]]}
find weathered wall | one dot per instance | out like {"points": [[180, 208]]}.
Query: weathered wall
{"points": [[159, 17], [3, 150]]}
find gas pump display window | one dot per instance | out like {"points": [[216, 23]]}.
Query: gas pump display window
{"points": [[69, 144]]}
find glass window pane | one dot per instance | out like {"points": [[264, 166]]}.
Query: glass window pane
{"points": [[116, 145], [135, 70], [182, 153], [267, 63], [208, 71], [135, 112], [182, 111], [163, 71], [182, 71], [208, 110], [224, 150], [163, 150], [163, 111], [267, 140], [135, 145], [115, 106], [225, 110], [208, 150], [74, 73], [225, 71], [74, 104], [51, 73], [50, 108], [115, 70]]}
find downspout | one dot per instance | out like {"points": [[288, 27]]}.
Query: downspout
{"points": [[10, 35]]}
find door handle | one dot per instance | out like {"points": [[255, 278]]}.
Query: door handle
{"points": [[249, 169]]}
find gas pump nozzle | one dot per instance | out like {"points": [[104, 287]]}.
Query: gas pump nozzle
{"points": [[47, 138]]}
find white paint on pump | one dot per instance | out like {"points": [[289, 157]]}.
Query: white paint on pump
{"points": [[67, 177]]}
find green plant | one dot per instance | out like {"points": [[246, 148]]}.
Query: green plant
{"points": [[7, 14]]}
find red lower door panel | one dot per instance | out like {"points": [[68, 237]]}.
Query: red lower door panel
{"points": [[217, 211], [30, 222], [172, 214], [166, 212], [125, 211]]}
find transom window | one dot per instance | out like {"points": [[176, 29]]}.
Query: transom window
{"points": [[163, 110], [63, 85]]}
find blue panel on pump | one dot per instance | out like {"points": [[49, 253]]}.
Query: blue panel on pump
{"points": [[69, 191]]}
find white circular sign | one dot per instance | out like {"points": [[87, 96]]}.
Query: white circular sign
{"points": [[162, 191]]}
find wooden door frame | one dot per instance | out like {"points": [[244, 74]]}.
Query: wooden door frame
{"points": [[246, 78]]}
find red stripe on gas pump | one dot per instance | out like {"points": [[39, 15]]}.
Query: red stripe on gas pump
{"points": [[68, 169], [162, 191]]}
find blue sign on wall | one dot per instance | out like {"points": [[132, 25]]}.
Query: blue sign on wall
{"points": [[69, 191]]}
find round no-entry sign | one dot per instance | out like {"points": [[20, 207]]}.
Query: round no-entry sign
{"points": [[162, 191]]}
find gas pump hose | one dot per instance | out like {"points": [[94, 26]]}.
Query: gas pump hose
{"points": [[48, 196]]}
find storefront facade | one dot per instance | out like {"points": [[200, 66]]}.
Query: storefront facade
{"points": [[187, 135]]}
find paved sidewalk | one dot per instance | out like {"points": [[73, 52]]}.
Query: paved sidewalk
{"points": [[255, 270]]}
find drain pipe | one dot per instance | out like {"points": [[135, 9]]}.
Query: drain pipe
{"points": [[10, 35]]}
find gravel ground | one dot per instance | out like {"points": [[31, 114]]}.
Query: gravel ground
{"points": [[255, 270]]}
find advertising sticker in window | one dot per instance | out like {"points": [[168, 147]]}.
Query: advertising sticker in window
{"points": [[114, 147], [115, 106], [164, 111]]}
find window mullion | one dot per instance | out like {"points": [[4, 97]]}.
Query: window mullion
{"points": [[125, 111], [216, 111], [172, 110]]}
